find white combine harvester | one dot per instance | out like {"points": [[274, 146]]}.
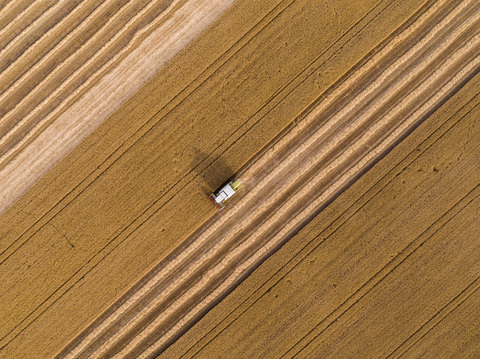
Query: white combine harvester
{"points": [[223, 194]]}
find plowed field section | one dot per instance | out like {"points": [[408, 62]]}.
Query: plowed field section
{"points": [[66, 66], [382, 272]]}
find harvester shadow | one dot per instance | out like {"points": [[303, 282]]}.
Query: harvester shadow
{"points": [[213, 173]]}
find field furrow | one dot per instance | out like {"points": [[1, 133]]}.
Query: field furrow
{"points": [[13, 20], [89, 43], [90, 61], [32, 38], [450, 312]]}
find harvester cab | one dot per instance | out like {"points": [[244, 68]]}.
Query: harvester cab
{"points": [[224, 193]]}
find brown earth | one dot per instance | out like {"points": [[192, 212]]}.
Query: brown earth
{"points": [[113, 205]]}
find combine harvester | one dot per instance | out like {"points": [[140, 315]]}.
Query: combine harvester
{"points": [[224, 193]]}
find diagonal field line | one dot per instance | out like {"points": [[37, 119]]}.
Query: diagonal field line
{"points": [[238, 271], [4, 30], [25, 33], [68, 60]]}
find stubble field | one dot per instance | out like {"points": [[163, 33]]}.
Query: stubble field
{"points": [[380, 271]]}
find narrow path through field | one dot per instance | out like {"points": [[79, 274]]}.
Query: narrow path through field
{"points": [[340, 136]]}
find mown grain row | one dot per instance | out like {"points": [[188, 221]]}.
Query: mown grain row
{"points": [[60, 50]]}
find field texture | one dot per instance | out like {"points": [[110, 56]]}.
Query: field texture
{"points": [[389, 269], [117, 252], [66, 66]]}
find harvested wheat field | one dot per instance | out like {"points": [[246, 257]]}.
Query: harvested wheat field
{"points": [[353, 126]]}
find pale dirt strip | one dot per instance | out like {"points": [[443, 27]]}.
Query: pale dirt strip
{"points": [[27, 58], [191, 270], [69, 62], [95, 16], [282, 214], [62, 129]]}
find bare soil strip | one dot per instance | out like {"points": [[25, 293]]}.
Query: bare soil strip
{"points": [[302, 173], [78, 71]]}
